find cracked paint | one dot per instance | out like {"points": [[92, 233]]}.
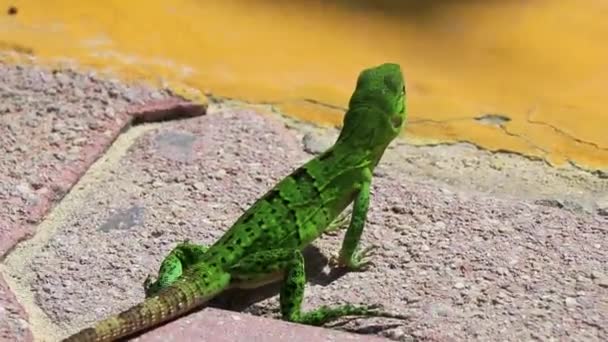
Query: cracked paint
{"points": [[541, 64]]}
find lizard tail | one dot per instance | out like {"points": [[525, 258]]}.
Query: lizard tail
{"points": [[170, 303]]}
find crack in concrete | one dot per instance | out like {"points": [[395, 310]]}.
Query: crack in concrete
{"points": [[602, 174], [313, 101], [525, 139], [481, 148], [439, 122], [501, 126], [560, 131], [500, 121]]}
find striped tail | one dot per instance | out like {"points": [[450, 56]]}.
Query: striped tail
{"points": [[170, 303]]}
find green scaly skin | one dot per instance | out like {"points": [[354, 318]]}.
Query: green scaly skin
{"points": [[265, 243]]}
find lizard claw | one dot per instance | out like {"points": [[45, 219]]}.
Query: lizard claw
{"points": [[375, 308], [378, 310], [334, 261], [359, 261], [339, 223], [148, 282], [149, 286]]}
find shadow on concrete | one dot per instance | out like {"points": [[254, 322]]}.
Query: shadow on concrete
{"points": [[315, 261], [417, 10]]}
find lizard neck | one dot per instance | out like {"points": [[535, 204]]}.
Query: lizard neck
{"points": [[353, 155]]}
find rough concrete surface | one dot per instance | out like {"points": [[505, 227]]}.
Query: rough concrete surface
{"points": [[462, 261], [53, 125], [13, 319]]}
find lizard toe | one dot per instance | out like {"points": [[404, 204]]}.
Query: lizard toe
{"points": [[361, 259], [148, 282]]}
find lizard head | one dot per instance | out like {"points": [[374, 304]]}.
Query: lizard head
{"points": [[377, 110]]}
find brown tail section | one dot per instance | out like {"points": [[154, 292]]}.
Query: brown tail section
{"points": [[172, 302]]}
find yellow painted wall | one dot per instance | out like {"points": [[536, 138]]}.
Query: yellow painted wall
{"points": [[543, 63]]}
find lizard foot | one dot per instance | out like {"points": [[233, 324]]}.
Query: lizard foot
{"points": [[359, 260], [149, 285], [326, 314], [377, 310]]}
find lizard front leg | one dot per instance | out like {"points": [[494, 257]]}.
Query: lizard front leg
{"points": [[350, 255], [171, 268], [259, 267], [338, 223]]}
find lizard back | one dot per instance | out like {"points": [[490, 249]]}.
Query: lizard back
{"points": [[298, 208]]}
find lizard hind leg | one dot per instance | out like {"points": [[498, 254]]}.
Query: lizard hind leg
{"points": [[172, 267], [261, 265]]}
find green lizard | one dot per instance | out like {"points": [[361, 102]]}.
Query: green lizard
{"points": [[265, 243]]}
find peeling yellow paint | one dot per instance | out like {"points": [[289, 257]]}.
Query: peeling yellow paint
{"points": [[541, 63]]}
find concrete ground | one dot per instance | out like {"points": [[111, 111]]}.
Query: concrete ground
{"points": [[99, 180]]}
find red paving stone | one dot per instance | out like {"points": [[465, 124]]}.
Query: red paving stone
{"points": [[53, 126], [32, 200], [13, 319], [226, 326]]}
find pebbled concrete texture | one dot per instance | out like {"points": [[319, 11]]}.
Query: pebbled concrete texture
{"points": [[471, 245], [53, 125]]}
